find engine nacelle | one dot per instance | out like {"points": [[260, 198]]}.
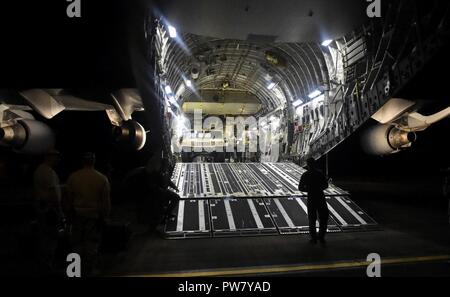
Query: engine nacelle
{"points": [[28, 137], [386, 139], [131, 134]]}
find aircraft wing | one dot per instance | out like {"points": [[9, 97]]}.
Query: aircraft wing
{"points": [[50, 102]]}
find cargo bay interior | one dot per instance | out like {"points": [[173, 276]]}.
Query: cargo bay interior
{"points": [[235, 97]]}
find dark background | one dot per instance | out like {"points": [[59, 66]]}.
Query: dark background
{"points": [[42, 47]]}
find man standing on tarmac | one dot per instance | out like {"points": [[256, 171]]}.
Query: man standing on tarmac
{"points": [[314, 183]]}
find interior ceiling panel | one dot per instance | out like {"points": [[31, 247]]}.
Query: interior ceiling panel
{"points": [[266, 20], [296, 69], [215, 108], [230, 102]]}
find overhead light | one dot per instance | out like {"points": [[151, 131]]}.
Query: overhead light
{"points": [[327, 42], [297, 103], [182, 119], [188, 83], [274, 121], [315, 94], [182, 124], [172, 99], [195, 72], [168, 90], [172, 31], [271, 86]]}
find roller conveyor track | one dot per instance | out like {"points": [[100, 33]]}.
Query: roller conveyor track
{"points": [[243, 180], [250, 199], [221, 217]]}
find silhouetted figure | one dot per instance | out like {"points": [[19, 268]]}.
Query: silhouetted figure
{"points": [[47, 188], [149, 185], [160, 176], [314, 183], [89, 195], [239, 151], [171, 197], [238, 157], [47, 195]]}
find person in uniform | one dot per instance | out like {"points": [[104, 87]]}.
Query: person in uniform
{"points": [[47, 196], [160, 175], [89, 195], [314, 183], [47, 188]]}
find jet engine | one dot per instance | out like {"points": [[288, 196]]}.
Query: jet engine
{"points": [[130, 134], [27, 137], [386, 139]]}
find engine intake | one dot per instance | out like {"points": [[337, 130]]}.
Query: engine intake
{"points": [[386, 139], [131, 134], [28, 137]]}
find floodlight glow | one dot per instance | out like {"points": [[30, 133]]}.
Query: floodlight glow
{"points": [[327, 42], [168, 90], [315, 94], [172, 31], [275, 124], [188, 83], [181, 124], [271, 86], [172, 99], [297, 103]]}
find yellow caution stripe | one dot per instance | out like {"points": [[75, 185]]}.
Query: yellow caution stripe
{"points": [[296, 268]]}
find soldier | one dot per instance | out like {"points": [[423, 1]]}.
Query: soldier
{"points": [[47, 195], [314, 183], [89, 196], [46, 186]]}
